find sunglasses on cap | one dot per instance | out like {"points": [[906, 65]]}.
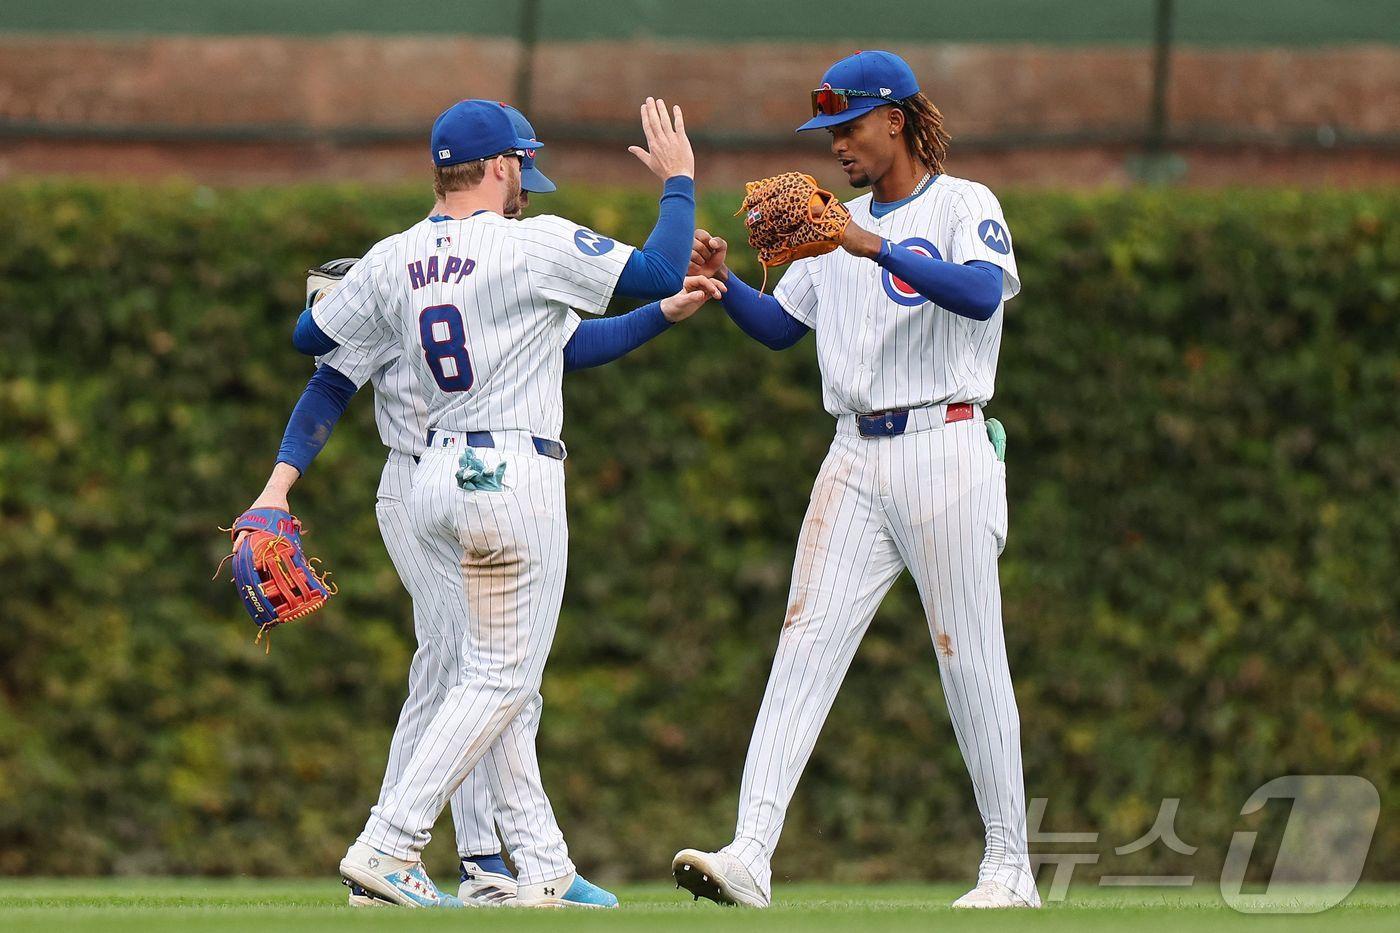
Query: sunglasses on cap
{"points": [[829, 101], [520, 154]]}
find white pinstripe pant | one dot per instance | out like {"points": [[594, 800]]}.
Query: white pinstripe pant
{"points": [[435, 668], [933, 501], [497, 560]]}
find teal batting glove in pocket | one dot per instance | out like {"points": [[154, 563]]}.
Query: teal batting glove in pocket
{"points": [[996, 433], [473, 475]]}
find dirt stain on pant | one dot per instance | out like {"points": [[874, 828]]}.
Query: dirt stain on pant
{"points": [[944, 644], [794, 611], [495, 581]]}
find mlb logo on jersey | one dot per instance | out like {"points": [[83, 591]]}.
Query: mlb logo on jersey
{"points": [[900, 291], [444, 241]]}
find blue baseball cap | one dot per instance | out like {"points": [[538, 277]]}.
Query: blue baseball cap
{"points": [[531, 178], [475, 129], [876, 78]]}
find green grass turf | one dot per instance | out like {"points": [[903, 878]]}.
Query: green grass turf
{"points": [[152, 905]]}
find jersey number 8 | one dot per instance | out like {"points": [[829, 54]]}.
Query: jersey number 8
{"points": [[445, 347]]}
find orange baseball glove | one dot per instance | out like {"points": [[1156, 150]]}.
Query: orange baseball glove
{"points": [[789, 217]]}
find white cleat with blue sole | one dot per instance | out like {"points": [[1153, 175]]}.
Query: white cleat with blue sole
{"points": [[572, 890], [376, 879]]}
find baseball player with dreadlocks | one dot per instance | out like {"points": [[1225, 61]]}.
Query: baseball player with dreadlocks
{"points": [[908, 316]]}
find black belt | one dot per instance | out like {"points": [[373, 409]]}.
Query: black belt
{"points": [[543, 445]]}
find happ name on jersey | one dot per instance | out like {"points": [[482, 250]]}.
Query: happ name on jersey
{"points": [[423, 271]]}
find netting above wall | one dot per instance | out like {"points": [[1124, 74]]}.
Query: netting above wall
{"points": [[1208, 22]]}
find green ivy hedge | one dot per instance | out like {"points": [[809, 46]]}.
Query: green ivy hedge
{"points": [[1200, 585]]}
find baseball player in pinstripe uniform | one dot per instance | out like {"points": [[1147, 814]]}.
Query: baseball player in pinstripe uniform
{"points": [[480, 307], [401, 417], [908, 321]]}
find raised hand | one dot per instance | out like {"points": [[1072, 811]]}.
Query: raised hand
{"points": [[668, 152], [697, 290], [707, 255]]}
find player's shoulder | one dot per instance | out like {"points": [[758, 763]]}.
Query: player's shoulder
{"points": [[379, 252], [549, 223], [966, 190], [562, 234], [379, 256]]}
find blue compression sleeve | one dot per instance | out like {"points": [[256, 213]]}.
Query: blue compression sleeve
{"points": [[314, 417], [602, 340], [972, 290], [761, 316], [308, 338], [658, 268]]}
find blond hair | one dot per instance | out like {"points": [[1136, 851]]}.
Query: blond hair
{"points": [[464, 176]]}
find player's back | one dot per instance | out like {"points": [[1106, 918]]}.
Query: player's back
{"points": [[482, 309]]}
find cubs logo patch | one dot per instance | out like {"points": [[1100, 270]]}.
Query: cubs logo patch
{"points": [[994, 236], [900, 291], [592, 244]]}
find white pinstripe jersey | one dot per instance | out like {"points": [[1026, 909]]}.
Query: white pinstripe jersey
{"points": [[879, 343], [479, 309], [400, 412]]}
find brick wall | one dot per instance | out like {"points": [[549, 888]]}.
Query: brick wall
{"points": [[360, 106]]}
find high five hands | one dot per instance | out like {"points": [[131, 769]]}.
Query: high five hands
{"points": [[697, 290], [668, 151], [705, 279], [707, 255]]}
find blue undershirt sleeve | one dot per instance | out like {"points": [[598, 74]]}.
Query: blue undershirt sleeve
{"points": [[761, 316], [602, 340], [972, 290], [308, 337], [321, 404], [658, 268]]}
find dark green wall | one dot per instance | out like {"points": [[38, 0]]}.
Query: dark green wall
{"points": [[1239, 22]]}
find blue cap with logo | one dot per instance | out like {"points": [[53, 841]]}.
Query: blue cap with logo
{"points": [[531, 178], [868, 80], [476, 129]]}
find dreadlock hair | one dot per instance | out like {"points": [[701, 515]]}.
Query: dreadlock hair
{"points": [[924, 133]]}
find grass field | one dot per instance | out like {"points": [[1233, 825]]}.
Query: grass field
{"points": [[152, 905]]}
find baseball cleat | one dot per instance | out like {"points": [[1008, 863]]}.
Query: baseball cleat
{"points": [[993, 895], [576, 892], [718, 876], [374, 877], [359, 897], [486, 882]]}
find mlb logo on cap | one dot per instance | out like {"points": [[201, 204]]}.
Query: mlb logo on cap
{"points": [[858, 84], [475, 129]]}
